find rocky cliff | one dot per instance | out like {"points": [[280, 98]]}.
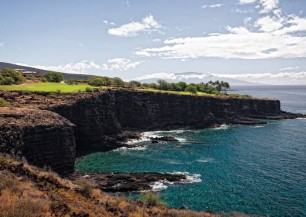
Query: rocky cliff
{"points": [[44, 138], [102, 119]]}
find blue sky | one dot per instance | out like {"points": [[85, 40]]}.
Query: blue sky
{"points": [[244, 39]]}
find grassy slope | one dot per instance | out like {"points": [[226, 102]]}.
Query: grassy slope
{"points": [[28, 191], [47, 86]]}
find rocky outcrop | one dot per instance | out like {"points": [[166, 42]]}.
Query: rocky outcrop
{"points": [[44, 138], [127, 182]]}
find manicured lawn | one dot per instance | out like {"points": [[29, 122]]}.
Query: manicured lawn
{"points": [[47, 86]]}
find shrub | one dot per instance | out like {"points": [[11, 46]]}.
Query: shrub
{"points": [[3, 102], [99, 81], [150, 199], [134, 84], [88, 89], [43, 79], [7, 81], [191, 89], [118, 82], [53, 77], [10, 76], [31, 77]]}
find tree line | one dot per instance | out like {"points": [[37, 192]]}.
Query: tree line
{"points": [[10, 76]]}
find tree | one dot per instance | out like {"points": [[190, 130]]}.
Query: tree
{"points": [[225, 86], [118, 82], [99, 81], [191, 89], [134, 84], [10, 76], [163, 85], [181, 86], [56, 77]]}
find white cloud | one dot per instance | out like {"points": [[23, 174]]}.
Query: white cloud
{"points": [[148, 24], [268, 5], [2, 44], [236, 43], [212, 6], [75, 68], [106, 22], [269, 24], [120, 64], [281, 78], [85, 66], [246, 1], [274, 37], [156, 40], [265, 5], [289, 68]]}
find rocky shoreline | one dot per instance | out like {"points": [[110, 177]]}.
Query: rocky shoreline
{"points": [[129, 182]]}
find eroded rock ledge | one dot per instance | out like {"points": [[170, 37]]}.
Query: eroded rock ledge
{"points": [[47, 127], [127, 182]]}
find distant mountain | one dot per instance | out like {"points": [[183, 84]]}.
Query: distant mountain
{"points": [[66, 76], [192, 77]]}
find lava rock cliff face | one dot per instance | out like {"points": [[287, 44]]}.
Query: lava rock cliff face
{"points": [[44, 138], [99, 121]]}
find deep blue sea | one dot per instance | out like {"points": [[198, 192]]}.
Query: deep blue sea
{"points": [[251, 169]]}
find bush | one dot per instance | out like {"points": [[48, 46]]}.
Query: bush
{"points": [[10, 76], [7, 81], [118, 82], [43, 79], [31, 77], [150, 199], [191, 89], [134, 84], [88, 89], [3, 102], [99, 81], [56, 77]]}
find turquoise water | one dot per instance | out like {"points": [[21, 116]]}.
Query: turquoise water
{"points": [[251, 169]]}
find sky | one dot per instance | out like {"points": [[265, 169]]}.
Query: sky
{"points": [[254, 40]]}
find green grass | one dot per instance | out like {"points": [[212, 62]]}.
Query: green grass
{"points": [[177, 92], [47, 86], [66, 88]]}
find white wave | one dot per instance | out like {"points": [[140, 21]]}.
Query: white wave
{"points": [[189, 178], [181, 139], [222, 127], [205, 160], [136, 148], [301, 118], [259, 126], [160, 185], [164, 184]]}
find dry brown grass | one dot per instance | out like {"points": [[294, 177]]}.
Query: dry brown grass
{"points": [[28, 191], [14, 204]]}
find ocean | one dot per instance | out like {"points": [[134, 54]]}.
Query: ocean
{"points": [[258, 170]]}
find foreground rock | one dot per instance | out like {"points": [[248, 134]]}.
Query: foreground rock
{"points": [[128, 182], [163, 139], [44, 138]]}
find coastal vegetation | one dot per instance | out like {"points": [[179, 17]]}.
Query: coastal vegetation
{"points": [[10, 76], [11, 79], [56, 77], [3, 102]]}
